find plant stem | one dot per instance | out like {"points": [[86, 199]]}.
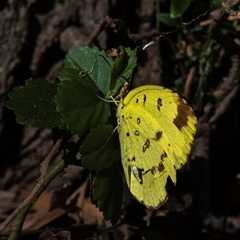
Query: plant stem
{"points": [[19, 220]]}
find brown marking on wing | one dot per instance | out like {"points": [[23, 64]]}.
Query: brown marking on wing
{"points": [[158, 135], [160, 167], [153, 170], [146, 145], [163, 155], [183, 112]]}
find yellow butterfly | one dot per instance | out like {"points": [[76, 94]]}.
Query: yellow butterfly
{"points": [[156, 129]]}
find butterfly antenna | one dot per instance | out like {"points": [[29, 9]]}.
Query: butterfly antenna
{"points": [[109, 101], [109, 137]]}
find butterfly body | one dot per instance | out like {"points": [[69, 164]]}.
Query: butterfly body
{"points": [[156, 129]]}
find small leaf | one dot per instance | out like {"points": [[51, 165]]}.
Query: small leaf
{"points": [[100, 149], [81, 108], [121, 70], [166, 19], [177, 7], [216, 4], [34, 104], [85, 61], [106, 192]]}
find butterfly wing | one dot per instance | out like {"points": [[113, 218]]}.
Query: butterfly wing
{"points": [[156, 130]]}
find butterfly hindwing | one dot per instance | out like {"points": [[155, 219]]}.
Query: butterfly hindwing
{"points": [[156, 130]]}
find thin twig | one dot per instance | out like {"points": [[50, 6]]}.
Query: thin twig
{"points": [[98, 29], [220, 16], [209, 21], [187, 87], [173, 31]]}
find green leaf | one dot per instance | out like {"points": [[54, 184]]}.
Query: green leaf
{"points": [[81, 108], [106, 192], [121, 70], [84, 61], [34, 104], [100, 149], [166, 19], [216, 4], [71, 74], [177, 7]]}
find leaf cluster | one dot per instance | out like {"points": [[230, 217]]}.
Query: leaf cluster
{"points": [[81, 104]]}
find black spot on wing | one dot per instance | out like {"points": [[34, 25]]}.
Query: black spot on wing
{"points": [[159, 103], [136, 133], [129, 173], [158, 135], [131, 160], [144, 99]]}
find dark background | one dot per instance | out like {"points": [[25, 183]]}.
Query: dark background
{"points": [[36, 35]]}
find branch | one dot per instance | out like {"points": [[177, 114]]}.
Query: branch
{"points": [[228, 89], [219, 16], [43, 182]]}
